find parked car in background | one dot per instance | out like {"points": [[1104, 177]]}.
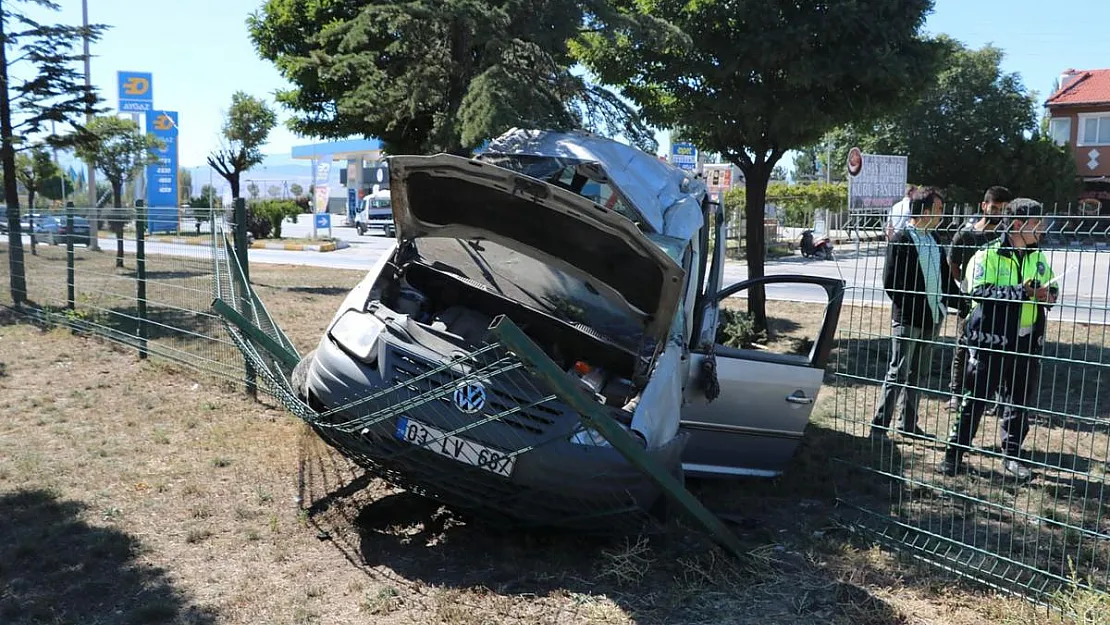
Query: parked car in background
{"points": [[52, 230], [24, 222]]}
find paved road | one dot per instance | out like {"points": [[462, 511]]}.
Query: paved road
{"points": [[1084, 286]]}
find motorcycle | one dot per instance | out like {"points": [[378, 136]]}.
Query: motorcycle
{"points": [[812, 247]]}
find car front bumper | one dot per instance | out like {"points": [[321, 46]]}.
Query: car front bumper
{"points": [[553, 481]]}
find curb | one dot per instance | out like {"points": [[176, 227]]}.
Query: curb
{"points": [[329, 246]]}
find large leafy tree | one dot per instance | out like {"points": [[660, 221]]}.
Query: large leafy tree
{"points": [[246, 129], [752, 79], [439, 75], [970, 127], [120, 151], [39, 84]]}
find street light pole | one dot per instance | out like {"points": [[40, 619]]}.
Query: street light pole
{"points": [[95, 221]]}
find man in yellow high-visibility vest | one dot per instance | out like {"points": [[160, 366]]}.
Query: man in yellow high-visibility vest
{"points": [[1009, 281]]}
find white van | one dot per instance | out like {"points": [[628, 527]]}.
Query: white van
{"points": [[376, 212]]}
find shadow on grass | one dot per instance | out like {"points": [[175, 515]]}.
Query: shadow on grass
{"points": [[661, 579], [311, 290], [56, 568], [176, 274]]}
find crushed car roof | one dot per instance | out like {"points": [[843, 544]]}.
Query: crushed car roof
{"points": [[667, 197]]}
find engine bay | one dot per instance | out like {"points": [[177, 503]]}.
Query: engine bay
{"points": [[453, 309]]}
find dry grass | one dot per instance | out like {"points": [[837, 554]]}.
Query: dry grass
{"points": [[1057, 518], [138, 492]]}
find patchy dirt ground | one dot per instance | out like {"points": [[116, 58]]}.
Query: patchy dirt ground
{"points": [[140, 492]]}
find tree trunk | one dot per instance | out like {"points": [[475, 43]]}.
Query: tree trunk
{"points": [[117, 221], [233, 181], [755, 193], [16, 268]]}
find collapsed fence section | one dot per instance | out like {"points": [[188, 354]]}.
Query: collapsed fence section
{"points": [[1033, 366]]}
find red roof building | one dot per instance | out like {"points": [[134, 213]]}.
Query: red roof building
{"points": [[1079, 114]]}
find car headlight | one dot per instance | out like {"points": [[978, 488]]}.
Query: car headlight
{"points": [[357, 333]]}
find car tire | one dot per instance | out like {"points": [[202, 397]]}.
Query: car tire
{"points": [[361, 229]]}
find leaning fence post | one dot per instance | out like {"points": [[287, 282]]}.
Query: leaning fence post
{"points": [[245, 304], [140, 274]]}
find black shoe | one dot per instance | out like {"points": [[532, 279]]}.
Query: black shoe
{"points": [[1016, 468], [954, 404], [877, 433], [951, 466], [916, 432]]}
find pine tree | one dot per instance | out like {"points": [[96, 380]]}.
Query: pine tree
{"points": [[54, 91]]}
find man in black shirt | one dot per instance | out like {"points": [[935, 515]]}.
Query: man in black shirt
{"points": [[965, 243], [916, 278]]}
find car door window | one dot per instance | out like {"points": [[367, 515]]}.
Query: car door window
{"points": [[764, 387]]}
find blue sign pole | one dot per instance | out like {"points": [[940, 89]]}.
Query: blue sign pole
{"points": [[162, 192]]}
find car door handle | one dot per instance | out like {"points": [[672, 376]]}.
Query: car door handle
{"points": [[799, 399]]}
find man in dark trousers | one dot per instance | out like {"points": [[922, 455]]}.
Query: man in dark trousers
{"points": [[916, 278], [967, 241], [1011, 284]]}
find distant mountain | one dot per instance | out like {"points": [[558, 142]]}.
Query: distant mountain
{"points": [[275, 170]]}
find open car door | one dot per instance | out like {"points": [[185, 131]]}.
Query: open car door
{"points": [[754, 426]]}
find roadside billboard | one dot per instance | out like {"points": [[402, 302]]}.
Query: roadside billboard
{"points": [[875, 181], [684, 156], [161, 176], [321, 187], [719, 177], [136, 94]]}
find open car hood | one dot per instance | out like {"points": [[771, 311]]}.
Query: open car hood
{"points": [[455, 197]]}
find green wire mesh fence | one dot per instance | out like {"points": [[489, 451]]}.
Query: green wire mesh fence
{"points": [[147, 290], [1032, 526], [1031, 535]]}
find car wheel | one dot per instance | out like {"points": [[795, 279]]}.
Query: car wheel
{"points": [[360, 228]]}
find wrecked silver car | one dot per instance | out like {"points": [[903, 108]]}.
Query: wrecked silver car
{"points": [[598, 253]]}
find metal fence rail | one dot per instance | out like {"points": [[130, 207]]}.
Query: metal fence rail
{"points": [[1031, 535], [139, 291]]}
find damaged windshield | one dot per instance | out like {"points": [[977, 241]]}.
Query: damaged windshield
{"points": [[585, 178], [541, 287]]}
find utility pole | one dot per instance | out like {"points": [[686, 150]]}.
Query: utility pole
{"points": [[828, 162], [94, 243]]}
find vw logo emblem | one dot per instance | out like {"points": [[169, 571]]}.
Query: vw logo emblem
{"points": [[470, 397]]}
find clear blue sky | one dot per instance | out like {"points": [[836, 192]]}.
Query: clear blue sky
{"points": [[199, 52]]}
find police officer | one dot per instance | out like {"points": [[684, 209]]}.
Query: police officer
{"points": [[1009, 283]]}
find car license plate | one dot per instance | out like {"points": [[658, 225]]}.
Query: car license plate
{"points": [[454, 447]]}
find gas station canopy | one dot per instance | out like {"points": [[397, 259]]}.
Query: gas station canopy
{"points": [[348, 149]]}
